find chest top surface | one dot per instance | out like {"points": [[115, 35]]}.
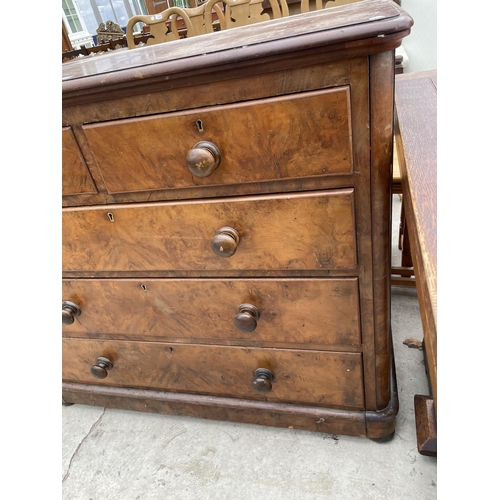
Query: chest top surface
{"points": [[367, 27]]}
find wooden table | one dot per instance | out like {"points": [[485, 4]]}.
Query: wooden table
{"points": [[416, 142]]}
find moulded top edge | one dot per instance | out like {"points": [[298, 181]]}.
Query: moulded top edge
{"points": [[362, 20]]}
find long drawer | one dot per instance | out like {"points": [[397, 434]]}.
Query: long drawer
{"points": [[328, 379], [295, 311], [307, 231], [293, 136]]}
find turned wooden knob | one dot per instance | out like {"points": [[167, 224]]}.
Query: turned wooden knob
{"points": [[225, 242], [246, 317], [101, 367], [203, 159], [69, 311], [262, 380]]}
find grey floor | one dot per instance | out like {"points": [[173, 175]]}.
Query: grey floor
{"points": [[123, 455]]}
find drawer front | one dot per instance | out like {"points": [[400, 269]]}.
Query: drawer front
{"points": [[329, 379], [295, 311], [294, 136], [278, 232], [76, 178]]}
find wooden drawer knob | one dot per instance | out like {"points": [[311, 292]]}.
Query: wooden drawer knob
{"points": [[203, 159], [246, 317], [69, 311], [101, 367], [262, 380], [225, 242]]}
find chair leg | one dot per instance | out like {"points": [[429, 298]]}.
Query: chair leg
{"points": [[401, 225], [406, 260]]}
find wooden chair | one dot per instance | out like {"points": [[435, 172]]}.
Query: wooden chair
{"points": [[403, 275], [175, 22], [244, 12], [109, 31], [164, 27]]}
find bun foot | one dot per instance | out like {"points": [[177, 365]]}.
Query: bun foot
{"points": [[384, 439]]}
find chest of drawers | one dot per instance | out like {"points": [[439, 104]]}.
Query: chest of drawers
{"points": [[226, 224]]}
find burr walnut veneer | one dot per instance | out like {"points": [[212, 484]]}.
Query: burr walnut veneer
{"points": [[226, 224]]}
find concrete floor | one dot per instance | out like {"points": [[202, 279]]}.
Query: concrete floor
{"points": [[123, 455]]}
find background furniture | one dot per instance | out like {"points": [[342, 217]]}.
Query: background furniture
{"points": [[174, 23], [109, 31], [227, 224], [416, 139], [404, 274]]}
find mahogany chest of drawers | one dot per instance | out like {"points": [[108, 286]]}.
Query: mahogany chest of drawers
{"points": [[226, 224]]}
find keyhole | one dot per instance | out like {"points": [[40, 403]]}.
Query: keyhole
{"points": [[110, 217], [199, 124], [144, 287]]}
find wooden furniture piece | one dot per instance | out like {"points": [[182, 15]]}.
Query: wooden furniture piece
{"points": [[163, 26], [109, 31], [175, 23], [157, 6], [404, 274], [227, 224], [416, 139], [103, 48]]}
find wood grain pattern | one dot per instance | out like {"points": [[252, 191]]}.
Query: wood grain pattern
{"points": [[279, 138], [425, 421], [265, 187], [291, 416], [185, 72], [382, 111], [360, 90], [301, 112], [381, 423], [88, 155], [279, 37], [249, 85], [293, 311], [76, 178], [416, 139], [300, 231], [312, 377]]}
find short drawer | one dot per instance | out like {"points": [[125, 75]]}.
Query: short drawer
{"points": [[322, 312], [305, 231], [76, 178], [330, 379], [299, 135]]}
